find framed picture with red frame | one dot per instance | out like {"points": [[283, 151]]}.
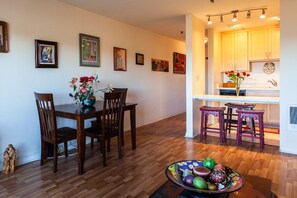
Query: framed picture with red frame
{"points": [[179, 63]]}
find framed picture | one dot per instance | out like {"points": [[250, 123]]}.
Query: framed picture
{"points": [[139, 59], [89, 50], [179, 63], [3, 37], [160, 65], [46, 54], [120, 59]]}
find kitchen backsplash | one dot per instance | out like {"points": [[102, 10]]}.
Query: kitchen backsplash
{"points": [[258, 77]]}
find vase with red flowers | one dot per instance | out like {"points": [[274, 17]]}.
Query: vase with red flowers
{"points": [[84, 93], [236, 78]]}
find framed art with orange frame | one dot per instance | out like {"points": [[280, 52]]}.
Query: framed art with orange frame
{"points": [[3, 37], [179, 63], [120, 59]]}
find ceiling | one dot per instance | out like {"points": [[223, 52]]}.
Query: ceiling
{"points": [[167, 17]]}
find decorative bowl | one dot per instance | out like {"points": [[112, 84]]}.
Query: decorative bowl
{"points": [[176, 174]]}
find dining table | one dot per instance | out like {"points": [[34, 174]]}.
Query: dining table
{"points": [[82, 113]]}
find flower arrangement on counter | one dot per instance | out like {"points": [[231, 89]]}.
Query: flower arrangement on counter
{"points": [[236, 78], [84, 92]]}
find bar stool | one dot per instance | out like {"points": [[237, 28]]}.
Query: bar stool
{"points": [[239, 106], [252, 115], [217, 112]]}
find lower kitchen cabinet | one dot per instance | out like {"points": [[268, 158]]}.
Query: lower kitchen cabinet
{"points": [[271, 115]]}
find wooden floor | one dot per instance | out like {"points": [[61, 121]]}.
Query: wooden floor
{"points": [[141, 171]]}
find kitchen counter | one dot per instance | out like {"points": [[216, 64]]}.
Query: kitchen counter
{"points": [[239, 99], [252, 88], [193, 126]]}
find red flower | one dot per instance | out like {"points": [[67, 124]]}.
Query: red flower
{"points": [[248, 75], [83, 90], [238, 74], [83, 79], [91, 78], [244, 73]]}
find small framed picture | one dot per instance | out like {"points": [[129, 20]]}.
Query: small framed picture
{"points": [[46, 54], [120, 59], [179, 63], [139, 59], [160, 65], [3, 37], [89, 50]]}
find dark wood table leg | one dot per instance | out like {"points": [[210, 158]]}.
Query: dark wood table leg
{"points": [[133, 126], [80, 144]]}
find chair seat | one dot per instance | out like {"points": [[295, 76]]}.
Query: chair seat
{"points": [[94, 132], [65, 134]]}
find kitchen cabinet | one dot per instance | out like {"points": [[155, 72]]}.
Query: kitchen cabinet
{"points": [[271, 111], [264, 44], [234, 51]]}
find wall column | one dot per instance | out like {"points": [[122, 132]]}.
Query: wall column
{"points": [[195, 71]]}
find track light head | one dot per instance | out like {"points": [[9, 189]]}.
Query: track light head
{"points": [[263, 16], [248, 14], [234, 19], [221, 19], [209, 21]]}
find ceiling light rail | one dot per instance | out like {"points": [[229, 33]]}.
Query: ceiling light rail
{"points": [[234, 13]]}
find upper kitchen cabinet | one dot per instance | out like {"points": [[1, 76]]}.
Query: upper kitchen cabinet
{"points": [[264, 44], [234, 51]]}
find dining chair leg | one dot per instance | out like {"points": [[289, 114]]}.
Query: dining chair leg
{"points": [[66, 148], [43, 152], [55, 158], [108, 144], [103, 150], [120, 146], [92, 142]]}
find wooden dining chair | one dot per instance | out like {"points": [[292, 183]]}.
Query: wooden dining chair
{"points": [[97, 124], [50, 134], [111, 124]]}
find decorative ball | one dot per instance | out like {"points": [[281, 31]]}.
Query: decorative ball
{"points": [[209, 163], [217, 176]]}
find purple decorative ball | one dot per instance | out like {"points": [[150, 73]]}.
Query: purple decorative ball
{"points": [[189, 179]]}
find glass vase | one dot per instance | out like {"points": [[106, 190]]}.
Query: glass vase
{"points": [[237, 89]]}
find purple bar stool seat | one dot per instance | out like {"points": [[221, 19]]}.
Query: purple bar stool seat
{"points": [[236, 106], [252, 115], [217, 112]]}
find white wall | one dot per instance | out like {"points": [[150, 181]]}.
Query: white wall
{"points": [[159, 94], [288, 71]]}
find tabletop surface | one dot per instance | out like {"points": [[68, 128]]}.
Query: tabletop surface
{"points": [[78, 109]]}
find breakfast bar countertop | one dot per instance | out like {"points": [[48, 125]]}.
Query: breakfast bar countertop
{"points": [[239, 99]]}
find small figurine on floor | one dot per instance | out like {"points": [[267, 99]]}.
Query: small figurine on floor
{"points": [[9, 156], [6, 159], [12, 156]]}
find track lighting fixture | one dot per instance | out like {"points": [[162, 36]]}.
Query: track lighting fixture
{"points": [[209, 21], [263, 14], [234, 19], [234, 13], [248, 14]]}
